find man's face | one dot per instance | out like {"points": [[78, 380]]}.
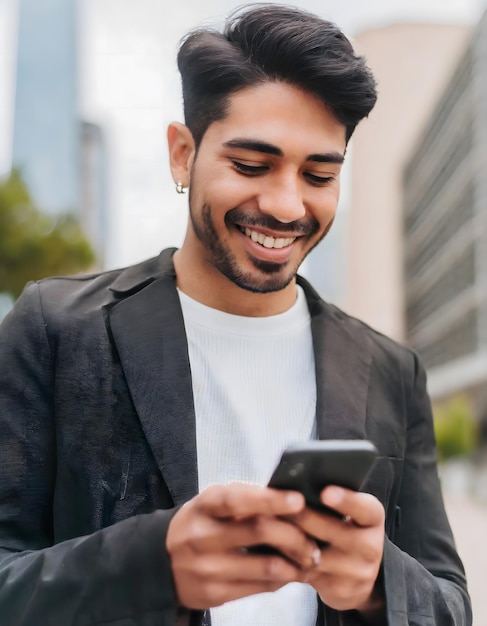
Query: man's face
{"points": [[264, 187]]}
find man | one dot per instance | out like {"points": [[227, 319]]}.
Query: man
{"points": [[143, 410]]}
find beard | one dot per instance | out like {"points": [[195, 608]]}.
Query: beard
{"points": [[269, 276]]}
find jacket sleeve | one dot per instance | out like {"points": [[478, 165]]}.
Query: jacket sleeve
{"points": [[423, 575], [119, 575]]}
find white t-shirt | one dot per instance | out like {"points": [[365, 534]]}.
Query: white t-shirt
{"points": [[254, 391]]}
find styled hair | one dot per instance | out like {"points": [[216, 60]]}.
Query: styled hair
{"points": [[267, 43]]}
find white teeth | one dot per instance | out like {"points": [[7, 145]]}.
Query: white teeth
{"points": [[268, 242]]}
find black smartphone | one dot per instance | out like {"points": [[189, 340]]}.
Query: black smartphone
{"points": [[309, 467]]}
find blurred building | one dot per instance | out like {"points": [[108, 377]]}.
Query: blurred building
{"points": [[59, 157], [93, 186], [325, 266], [412, 63], [45, 141], [445, 221]]}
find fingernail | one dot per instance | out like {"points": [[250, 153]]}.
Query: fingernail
{"points": [[295, 500], [316, 557], [333, 495]]}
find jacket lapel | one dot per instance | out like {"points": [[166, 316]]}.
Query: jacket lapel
{"points": [[148, 331], [342, 361]]}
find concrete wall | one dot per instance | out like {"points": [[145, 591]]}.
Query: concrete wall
{"points": [[412, 64]]}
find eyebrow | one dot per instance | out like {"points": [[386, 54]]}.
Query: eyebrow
{"points": [[267, 148]]}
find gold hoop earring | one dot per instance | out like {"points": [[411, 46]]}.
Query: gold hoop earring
{"points": [[180, 188]]}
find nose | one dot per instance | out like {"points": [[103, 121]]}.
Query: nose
{"points": [[283, 199]]}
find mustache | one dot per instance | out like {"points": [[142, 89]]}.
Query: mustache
{"points": [[242, 218]]}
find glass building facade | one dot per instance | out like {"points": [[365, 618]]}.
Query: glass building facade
{"points": [[445, 224], [46, 129], [62, 159]]}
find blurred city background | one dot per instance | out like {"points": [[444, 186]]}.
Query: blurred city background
{"points": [[87, 89]]}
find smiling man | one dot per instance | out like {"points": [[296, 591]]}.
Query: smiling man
{"points": [[142, 411]]}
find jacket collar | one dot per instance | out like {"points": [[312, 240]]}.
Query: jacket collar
{"points": [[136, 277]]}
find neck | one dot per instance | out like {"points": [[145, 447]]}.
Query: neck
{"points": [[208, 286]]}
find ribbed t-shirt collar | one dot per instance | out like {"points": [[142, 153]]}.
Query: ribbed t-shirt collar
{"points": [[295, 317]]}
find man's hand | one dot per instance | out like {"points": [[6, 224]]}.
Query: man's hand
{"points": [[208, 537], [347, 574]]}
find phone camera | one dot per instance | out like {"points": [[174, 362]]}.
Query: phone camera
{"points": [[296, 470]]}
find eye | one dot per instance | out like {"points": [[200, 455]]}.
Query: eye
{"points": [[249, 170], [318, 180]]}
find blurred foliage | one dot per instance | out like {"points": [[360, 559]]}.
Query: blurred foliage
{"points": [[456, 428], [34, 245]]}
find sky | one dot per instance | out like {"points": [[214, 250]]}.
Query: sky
{"points": [[129, 84]]}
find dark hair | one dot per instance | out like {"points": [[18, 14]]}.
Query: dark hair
{"points": [[270, 42]]}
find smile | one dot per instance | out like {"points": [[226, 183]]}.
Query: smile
{"points": [[266, 240]]}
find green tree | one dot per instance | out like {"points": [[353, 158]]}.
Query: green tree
{"points": [[34, 245], [455, 428]]}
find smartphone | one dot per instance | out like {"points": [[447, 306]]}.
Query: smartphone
{"points": [[309, 467]]}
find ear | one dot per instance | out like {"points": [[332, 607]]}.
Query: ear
{"points": [[181, 152]]}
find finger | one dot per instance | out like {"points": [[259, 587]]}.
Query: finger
{"points": [[257, 533], [343, 537], [363, 509], [273, 569], [212, 580], [282, 536], [344, 584], [240, 501], [195, 531], [223, 590], [323, 528]]}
